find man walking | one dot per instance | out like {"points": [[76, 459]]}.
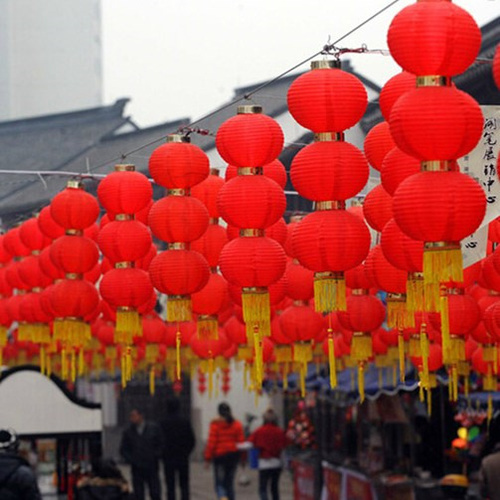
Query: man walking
{"points": [[178, 444], [141, 447]]}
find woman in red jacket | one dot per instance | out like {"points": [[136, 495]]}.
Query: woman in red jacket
{"points": [[270, 440], [224, 434]]}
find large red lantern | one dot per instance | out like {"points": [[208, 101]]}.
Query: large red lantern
{"points": [[378, 142], [377, 208]]}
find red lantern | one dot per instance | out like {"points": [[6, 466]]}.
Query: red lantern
{"points": [[274, 170], [207, 192], [32, 236], [434, 38], [211, 243], [13, 244], [393, 89], [74, 254], [396, 167], [48, 225], [377, 208], [496, 66], [378, 142]]}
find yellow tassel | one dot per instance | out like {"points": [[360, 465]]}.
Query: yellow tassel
{"points": [[361, 346], [123, 371], [415, 294], [256, 305], [421, 391], [443, 264], [210, 370], [424, 349], [258, 361], [64, 367], [3, 336], [152, 381], [207, 327], [178, 354], [457, 349], [489, 353], [24, 332], [394, 375], [414, 346], [445, 325], [245, 353], [42, 359], [128, 321], [152, 353], [179, 308], [81, 362], [397, 313], [331, 360], [285, 376], [49, 366], [329, 292], [361, 381], [401, 351], [128, 363], [302, 352], [429, 402], [466, 386], [73, 365], [283, 353], [495, 360]]}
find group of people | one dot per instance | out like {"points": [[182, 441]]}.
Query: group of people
{"points": [[144, 443]]}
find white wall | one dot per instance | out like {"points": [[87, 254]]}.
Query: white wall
{"points": [[50, 52]]}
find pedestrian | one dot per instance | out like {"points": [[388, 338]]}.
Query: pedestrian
{"points": [[489, 471], [141, 446], [270, 441], [17, 479], [224, 435], [105, 483], [178, 443]]}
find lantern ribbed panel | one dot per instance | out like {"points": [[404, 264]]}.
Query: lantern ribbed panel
{"points": [[490, 277], [249, 140], [212, 297], [274, 170], [400, 250], [74, 254], [439, 206], [396, 167], [30, 272], [154, 330], [327, 100], [48, 225], [393, 89], [13, 244], [300, 323], [124, 241], [435, 359], [235, 330], [434, 38], [364, 313], [124, 192], [206, 348], [211, 243], [358, 278], [377, 208], [251, 201], [278, 231], [317, 244], [31, 311], [252, 262], [178, 165], [32, 236], [332, 170], [207, 191], [383, 274], [73, 208], [494, 230], [378, 142], [48, 267], [464, 314], [116, 291], [300, 281], [496, 66], [436, 123], [179, 272], [73, 298], [178, 219]]}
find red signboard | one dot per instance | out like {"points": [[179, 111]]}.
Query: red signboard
{"points": [[303, 481], [332, 484], [358, 487]]}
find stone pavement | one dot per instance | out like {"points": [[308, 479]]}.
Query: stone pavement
{"points": [[202, 485]]}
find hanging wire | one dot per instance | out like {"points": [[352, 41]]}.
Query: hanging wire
{"points": [[249, 95]]}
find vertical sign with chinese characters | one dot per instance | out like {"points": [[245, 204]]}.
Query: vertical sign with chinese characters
{"points": [[481, 164]]}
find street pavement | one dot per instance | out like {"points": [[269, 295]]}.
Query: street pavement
{"points": [[202, 484]]}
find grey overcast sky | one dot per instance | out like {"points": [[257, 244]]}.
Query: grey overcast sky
{"points": [[185, 58]]}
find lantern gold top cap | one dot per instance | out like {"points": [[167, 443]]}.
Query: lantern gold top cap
{"points": [[249, 109], [177, 138], [74, 184], [325, 64], [124, 167]]}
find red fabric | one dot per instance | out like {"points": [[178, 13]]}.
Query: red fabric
{"points": [[126, 287], [212, 242], [383, 274], [73, 208], [223, 437], [249, 140], [332, 170], [327, 100], [300, 323], [434, 38], [212, 297], [274, 170], [13, 244], [496, 66], [178, 165], [32, 236], [48, 225], [377, 208], [393, 89], [396, 167], [125, 192], [364, 313], [207, 191], [74, 254], [435, 358], [378, 142], [270, 440]]}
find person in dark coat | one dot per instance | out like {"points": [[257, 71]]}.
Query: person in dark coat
{"points": [[106, 483], [17, 479], [141, 446], [178, 443]]}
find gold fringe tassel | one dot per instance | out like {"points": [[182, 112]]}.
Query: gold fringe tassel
{"points": [[178, 354], [81, 362], [207, 327], [429, 402], [329, 292], [361, 346], [361, 381], [331, 360], [415, 293], [179, 309], [210, 370], [397, 312], [424, 349], [152, 381], [445, 324], [285, 376], [256, 305], [128, 321], [258, 358], [401, 352], [282, 353], [489, 411]]}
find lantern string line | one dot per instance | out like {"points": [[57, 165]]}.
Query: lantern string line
{"points": [[253, 92]]}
